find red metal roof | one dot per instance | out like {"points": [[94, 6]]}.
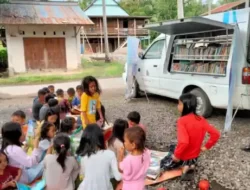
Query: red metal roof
{"points": [[226, 7], [46, 13]]}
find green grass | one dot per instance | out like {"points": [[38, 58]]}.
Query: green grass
{"points": [[97, 69]]}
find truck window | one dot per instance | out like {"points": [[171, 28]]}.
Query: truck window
{"points": [[155, 51]]}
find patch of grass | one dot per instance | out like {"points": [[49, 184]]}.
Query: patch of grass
{"points": [[97, 69]]}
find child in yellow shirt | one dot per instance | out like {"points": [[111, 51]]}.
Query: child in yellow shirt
{"points": [[90, 101]]}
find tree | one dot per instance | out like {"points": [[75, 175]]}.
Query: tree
{"points": [[3, 1], [84, 3]]}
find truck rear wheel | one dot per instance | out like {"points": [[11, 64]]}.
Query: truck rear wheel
{"points": [[204, 107]]}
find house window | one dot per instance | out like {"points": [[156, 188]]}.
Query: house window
{"points": [[125, 24]]}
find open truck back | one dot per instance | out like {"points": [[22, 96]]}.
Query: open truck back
{"points": [[196, 55]]}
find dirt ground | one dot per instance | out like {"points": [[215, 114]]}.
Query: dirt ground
{"points": [[225, 163]]}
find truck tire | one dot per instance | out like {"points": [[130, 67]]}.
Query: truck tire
{"points": [[204, 107]]}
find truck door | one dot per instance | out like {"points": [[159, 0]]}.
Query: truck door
{"points": [[149, 66]]}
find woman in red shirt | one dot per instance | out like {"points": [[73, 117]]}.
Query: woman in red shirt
{"points": [[191, 131]]}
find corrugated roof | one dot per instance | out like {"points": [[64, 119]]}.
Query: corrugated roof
{"points": [[112, 9], [43, 14], [226, 7]]}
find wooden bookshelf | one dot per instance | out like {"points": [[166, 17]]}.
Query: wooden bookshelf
{"points": [[204, 56]]}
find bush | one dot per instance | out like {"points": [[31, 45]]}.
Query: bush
{"points": [[3, 58]]}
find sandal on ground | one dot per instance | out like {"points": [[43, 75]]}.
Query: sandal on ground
{"points": [[188, 176]]}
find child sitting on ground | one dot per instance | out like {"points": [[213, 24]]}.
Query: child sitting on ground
{"points": [[46, 136], [191, 131], [8, 175], [71, 95], [61, 170], [135, 165], [63, 103], [134, 119], [77, 100], [11, 145], [68, 125], [97, 164], [20, 117], [52, 90], [116, 141], [45, 107], [38, 104]]}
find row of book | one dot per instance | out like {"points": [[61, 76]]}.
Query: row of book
{"points": [[212, 51], [192, 67]]}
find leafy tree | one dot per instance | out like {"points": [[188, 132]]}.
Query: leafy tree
{"points": [[84, 3], [3, 1]]}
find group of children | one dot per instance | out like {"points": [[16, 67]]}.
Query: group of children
{"points": [[122, 159]]}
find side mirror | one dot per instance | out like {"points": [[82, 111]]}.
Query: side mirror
{"points": [[140, 55]]}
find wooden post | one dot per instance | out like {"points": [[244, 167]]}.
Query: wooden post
{"points": [[105, 31], [118, 32], [101, 35], [135, 27]]}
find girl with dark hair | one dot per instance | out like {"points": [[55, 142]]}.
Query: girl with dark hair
{"points": [[90, 101], [46, 135], [191, 131], [116, 141], [61, 170], [68, 125], [11, 145], [53, 116], [9, 175], [135, 165], [95, 158]]}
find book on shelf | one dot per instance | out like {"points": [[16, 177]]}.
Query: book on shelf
{"points": [[211, 51], [191, 67], [154, 169]]}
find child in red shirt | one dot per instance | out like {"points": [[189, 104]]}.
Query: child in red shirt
{"points": [[191, 131], [8, 175]]}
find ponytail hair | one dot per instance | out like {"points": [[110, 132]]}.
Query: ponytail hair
{"points": [[61, 146]]}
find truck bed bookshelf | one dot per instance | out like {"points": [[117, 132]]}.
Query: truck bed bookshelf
{"points": [[203, 53]]}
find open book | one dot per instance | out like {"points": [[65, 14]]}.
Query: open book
{"points": [[154, 168]]}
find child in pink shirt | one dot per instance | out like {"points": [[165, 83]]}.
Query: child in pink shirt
{"points": [[134, 119], [135, 165]]}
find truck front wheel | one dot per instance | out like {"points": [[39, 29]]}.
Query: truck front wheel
{"points": [[204, 107]]}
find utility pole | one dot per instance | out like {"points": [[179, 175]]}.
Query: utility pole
{"points": [[105, 32], [180, 9], [247, 4], [209, 6]]}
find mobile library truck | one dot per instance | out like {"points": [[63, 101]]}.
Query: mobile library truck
{"points": [[207, 56]]}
